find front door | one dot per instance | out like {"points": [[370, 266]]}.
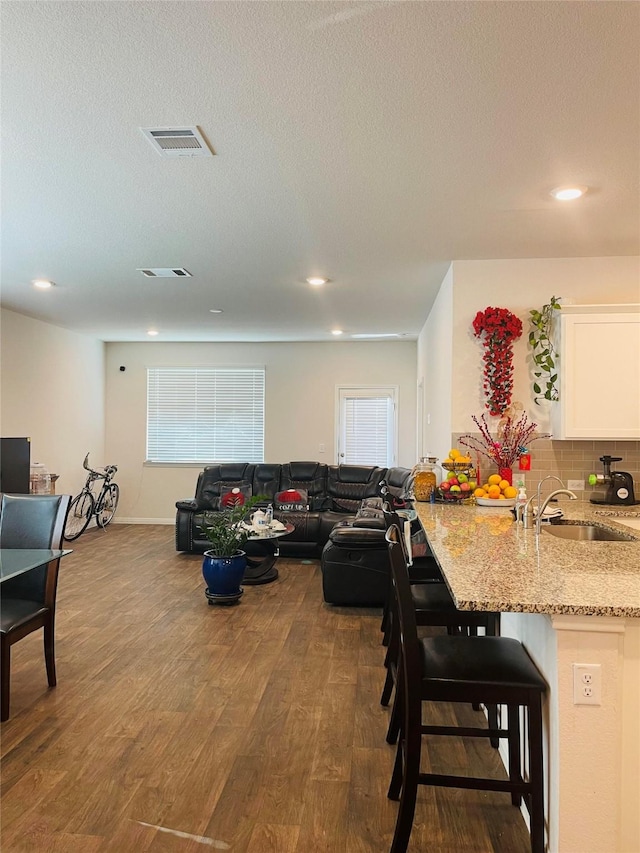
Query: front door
{"points": [[367, 426]]}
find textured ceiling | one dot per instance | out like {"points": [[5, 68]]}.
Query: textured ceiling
{"points": [[371, 143]]}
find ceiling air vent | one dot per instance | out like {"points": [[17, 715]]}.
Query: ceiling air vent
{"points": [[165, 272], [178, 141]]}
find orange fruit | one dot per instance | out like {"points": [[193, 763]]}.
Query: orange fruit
{"points": [[494, 491], [510, 492], [504, 484], [494, 480], [479, 493]]}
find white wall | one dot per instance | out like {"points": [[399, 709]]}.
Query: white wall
{"points": [[52, 390], [521, 285], [599, 745], [435, 369], [301, 380], [450, 357]]}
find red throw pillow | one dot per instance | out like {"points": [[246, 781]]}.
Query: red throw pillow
{"points": [[292, 500], [234, 497]]}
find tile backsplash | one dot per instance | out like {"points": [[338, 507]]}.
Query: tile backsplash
{"points": [[572, 460]]}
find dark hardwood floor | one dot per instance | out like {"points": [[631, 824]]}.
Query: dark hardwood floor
{"points": [[181, 727]]}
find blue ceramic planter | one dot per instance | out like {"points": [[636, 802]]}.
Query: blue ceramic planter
{"points": [[223, 576]]}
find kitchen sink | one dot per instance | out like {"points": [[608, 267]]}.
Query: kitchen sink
{"points": [[586, 532]]}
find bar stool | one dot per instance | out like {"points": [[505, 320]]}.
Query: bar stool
{"points": [[434, 607], [488, 670], [422, 569]]}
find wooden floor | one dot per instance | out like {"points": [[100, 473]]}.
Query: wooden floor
{"points": [[181, 727]]}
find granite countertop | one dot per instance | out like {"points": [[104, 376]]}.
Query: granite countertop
{"points": [[491, 563]]}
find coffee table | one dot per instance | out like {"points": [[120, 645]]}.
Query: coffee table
{"points": [[262, 553]]}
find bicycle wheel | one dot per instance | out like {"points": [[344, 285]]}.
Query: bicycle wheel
{"points": [[81, 509], [107, 505]]}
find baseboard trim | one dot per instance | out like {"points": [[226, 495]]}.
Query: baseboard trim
{"points": [[121, 520]]}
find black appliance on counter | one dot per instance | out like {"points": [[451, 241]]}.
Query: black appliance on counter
{"points": [[619, 485], [15, 461]]}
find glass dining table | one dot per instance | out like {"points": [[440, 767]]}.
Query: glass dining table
{"points": [[18, 561]]}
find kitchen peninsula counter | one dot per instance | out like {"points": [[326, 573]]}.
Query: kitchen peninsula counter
{"points": [[491, 563], [569, 602]]}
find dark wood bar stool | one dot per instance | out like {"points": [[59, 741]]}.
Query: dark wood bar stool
{"points": [[488, 670], [434, 607], [422, 569]]}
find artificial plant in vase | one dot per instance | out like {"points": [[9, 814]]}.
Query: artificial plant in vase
{"points": [[514, 433]]}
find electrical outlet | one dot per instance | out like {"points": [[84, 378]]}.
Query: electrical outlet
{"points": [[587, 684], [575, 485], [321, 448]]}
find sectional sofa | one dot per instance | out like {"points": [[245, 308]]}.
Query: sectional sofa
{"points": [[335, 510], [323, 496]]}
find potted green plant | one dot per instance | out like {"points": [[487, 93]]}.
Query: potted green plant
{"points": [[224, 563]]}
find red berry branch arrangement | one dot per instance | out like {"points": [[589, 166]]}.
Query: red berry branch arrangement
{"points": [[500, 329], [514, 433]]}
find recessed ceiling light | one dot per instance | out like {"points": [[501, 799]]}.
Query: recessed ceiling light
{"points": [[216, 311], [337, 332], [42, 283], [152, 332], [316, 281], [568, 193]]}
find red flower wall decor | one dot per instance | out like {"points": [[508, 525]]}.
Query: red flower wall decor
{"points": [[500, 329]]}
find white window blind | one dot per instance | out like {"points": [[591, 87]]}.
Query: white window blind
{"points": [[368, 434], [205, 414]]}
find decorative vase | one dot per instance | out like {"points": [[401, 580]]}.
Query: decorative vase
{"points": [[223, 576], [506, 474]]}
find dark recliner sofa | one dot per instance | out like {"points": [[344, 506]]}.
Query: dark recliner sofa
{"points": [[335, 494], [343, 523]]}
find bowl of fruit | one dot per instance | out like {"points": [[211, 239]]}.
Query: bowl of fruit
{"points": [[459, 483], [496, 492]]}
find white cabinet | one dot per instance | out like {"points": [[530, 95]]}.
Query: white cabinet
{"points": [[599, 373]]}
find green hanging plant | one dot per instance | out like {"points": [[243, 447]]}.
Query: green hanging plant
{"points": [[543, 351]]}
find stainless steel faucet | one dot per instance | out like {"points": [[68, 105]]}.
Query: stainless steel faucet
{"points": [[527, 513], [542, 508], [527, 516]]}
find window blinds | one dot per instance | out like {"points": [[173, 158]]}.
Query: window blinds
{"points": [[368, 430], [205, 414]]}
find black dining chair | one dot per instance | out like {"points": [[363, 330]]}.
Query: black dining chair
{"points": [[28, 601], [469, 669]]}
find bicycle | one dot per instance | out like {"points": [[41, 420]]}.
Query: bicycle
{"points": [[86, 505]]}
